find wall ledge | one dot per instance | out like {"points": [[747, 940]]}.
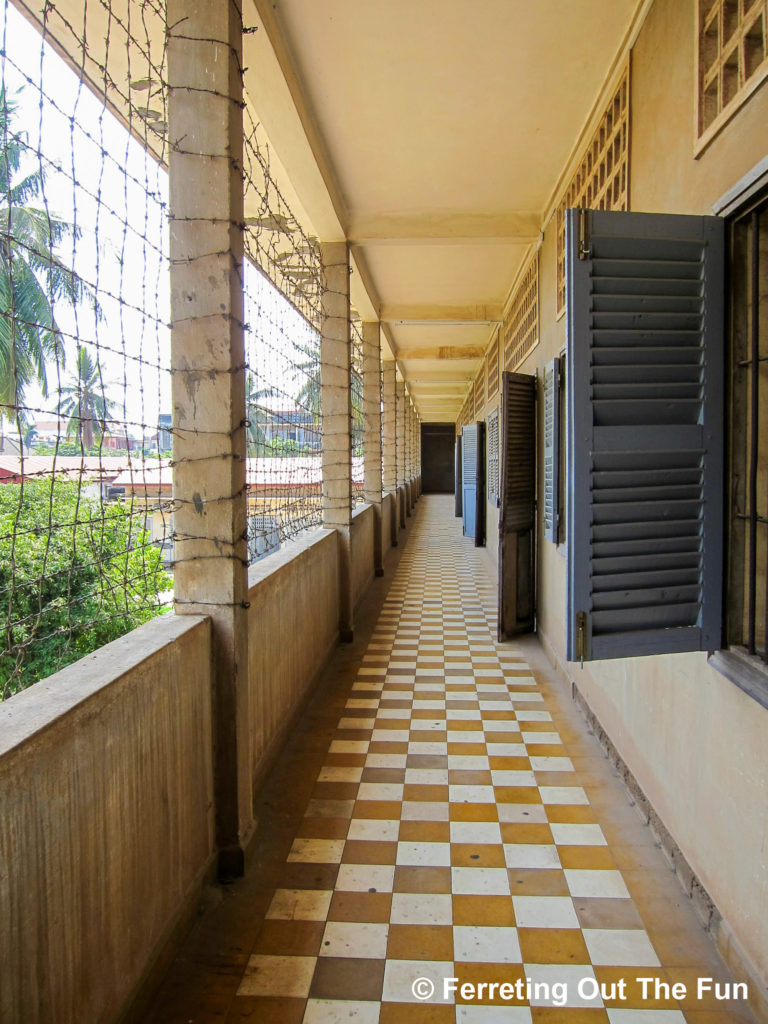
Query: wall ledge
{"points": [[272, 564], [744, 670], [45, 703]]}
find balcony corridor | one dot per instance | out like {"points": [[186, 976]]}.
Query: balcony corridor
{"points": [[443, 812]]}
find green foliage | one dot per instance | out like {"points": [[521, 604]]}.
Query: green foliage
{"points": [[74, 574], [283, 448], [69, 448]]}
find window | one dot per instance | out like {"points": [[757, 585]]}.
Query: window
{"points": [[645, 421], [747, 606], [732, 59]]}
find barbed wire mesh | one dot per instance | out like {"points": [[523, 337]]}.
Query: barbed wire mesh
{"points": [[357, 422], [283, 290], [85, 485]]}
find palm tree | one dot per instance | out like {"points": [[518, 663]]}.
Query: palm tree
{"points": [[32, 277], [308, 397], [256, 414], [85, 403]]}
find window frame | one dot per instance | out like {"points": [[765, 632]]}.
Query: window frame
{"points": [[747, 671]]}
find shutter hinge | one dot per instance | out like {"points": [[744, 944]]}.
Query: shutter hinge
{"points": [[584, 248], [581, 636]]}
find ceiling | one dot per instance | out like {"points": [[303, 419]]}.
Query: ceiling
{"points": [[432, 134]]}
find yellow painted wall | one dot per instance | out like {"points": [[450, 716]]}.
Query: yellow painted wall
{"points": [[695, 742]]}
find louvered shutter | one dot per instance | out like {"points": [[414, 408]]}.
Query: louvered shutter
{"points": [[473, 481], [645, 419], [517, 518], [469, 478], [552, 450], [457, 504]]}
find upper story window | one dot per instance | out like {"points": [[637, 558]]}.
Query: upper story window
{"points": [[733, 59]]}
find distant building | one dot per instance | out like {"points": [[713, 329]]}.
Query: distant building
{"points": [[164, 436], [291, 425]]}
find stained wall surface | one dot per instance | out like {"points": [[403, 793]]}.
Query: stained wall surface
{"points": [[693, 740]]}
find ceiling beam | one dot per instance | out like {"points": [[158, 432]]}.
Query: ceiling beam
{"points": [[445, 316], [444, 229], [442, 352]]}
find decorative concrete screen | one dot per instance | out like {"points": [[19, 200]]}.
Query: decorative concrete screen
{"points": [[733, 58], [521, 323], [601, 180]]}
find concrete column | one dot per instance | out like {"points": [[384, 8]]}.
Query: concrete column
{"points": [[400, 454], [207, 358], [372, 476], [414, 488], [418, 454], [408, 456], [389, 441], [336, 406]]}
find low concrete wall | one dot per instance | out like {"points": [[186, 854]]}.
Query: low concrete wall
{"points": [[363, 525], [293, 628], [106, 803]]}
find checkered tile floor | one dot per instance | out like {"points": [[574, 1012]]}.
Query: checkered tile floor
{"points": [[449, 835]]}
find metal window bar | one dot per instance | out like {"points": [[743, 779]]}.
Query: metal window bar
{"points": [[755, 450], [748, 594], [283, 274], [85, 493]]}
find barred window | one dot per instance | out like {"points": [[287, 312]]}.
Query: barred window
{"points": [[747, 605]]}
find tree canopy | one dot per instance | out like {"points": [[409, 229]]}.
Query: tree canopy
{"points": [[74, 574]]}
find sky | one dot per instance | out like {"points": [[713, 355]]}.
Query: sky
{"points": [[100, 179]]}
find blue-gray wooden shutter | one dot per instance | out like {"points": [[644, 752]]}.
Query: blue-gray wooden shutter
{"points": [[552, 451], [457, 503], [517, 515], [645, 422], [473, 481], [469, 479]]}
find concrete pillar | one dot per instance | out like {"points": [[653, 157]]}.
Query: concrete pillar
{"points": [[389, 441], [372, 475], [418, 455], [207, 358], [408, 456], [400, 454], [336, 407], [414, 487]]}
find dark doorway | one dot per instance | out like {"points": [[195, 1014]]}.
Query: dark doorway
{"points": [[437, 457], [517, 519]]}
